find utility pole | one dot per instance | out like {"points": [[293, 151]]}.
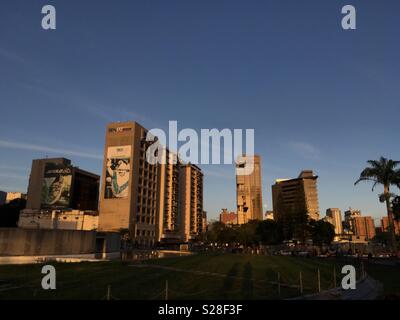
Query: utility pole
{"points": [[334, 277], [319, 281], [279, 284], [109, 292], [301, 284], [166, 289]]}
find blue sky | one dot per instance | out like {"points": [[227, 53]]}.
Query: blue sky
{"points": [[317, 96]]}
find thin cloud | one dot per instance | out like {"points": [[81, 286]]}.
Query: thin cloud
{"points": [[34, 147], [12, 176], [11, 56], [13, 168], [305, 150]]}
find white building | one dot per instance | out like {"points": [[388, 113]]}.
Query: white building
{"points": [[334, 216], [15, 195], [57, 219]]}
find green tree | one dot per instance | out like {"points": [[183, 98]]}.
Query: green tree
{"points": [[269, 232], [322, 232], [383, 172], [246, 233], [9, 213]]}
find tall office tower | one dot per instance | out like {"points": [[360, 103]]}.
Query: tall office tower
{"points": [[55, 184], [363, 227], [168, 217], [249, 189], [296, 196], [128, 199], [204, 222], [385, 225], [191, 201], [335, 218], [348, 218]]}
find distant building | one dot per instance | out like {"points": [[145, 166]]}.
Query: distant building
{"points": [[191, 201], [204, 222], [3, 197], [15, 195], [55, 184], [334, 216], [59, 219], [228, 218], [363, 227], [249, 189], [348, 218], [385, 225], [296, 196], [269, 215]]}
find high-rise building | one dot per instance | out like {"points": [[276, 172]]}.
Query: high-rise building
{"points": [[55, 184], [249, 189], [335, 218], [204, 222], [228, 218], [363, 227], [348, 218], [128, 196], [191, 201], [168, 222], [149, 202], [385, 225], [296, 196]]}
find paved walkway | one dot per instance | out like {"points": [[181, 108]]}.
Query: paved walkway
{"points": [[366, 289]]}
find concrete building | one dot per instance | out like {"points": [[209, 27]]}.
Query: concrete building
{"points": [[249, 189], [228, 218], [385, 225], [3, 197], [59, 220], [334, 216], [269, 215], [363, 227], [15, 195], [348, 218], [296, 196], [55, 184], [128, 195], [150, 203], [204, 223], [168, 220], [191, 201]]}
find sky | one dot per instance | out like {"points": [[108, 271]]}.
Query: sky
{"points": [[318, 97]]}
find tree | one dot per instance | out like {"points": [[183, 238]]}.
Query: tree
{"points": [[9, 213], [269, 232], [383, 171], [322, 232], [247, 233], [214, 232]]}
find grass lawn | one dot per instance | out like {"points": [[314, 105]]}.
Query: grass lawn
{"points": [[203, 276]]}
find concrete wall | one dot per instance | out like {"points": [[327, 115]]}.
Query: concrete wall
{"points": [[22, 242]]}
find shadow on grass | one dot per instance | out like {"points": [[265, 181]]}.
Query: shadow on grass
{"points": [[229, 281], [247, 284]]}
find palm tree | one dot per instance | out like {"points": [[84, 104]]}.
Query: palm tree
{"points": [[383, 171]]}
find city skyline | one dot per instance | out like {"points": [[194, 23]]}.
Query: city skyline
{"points": [[304, 85]]}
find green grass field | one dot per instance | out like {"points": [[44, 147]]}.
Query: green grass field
{"points": [[203, 276]]}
